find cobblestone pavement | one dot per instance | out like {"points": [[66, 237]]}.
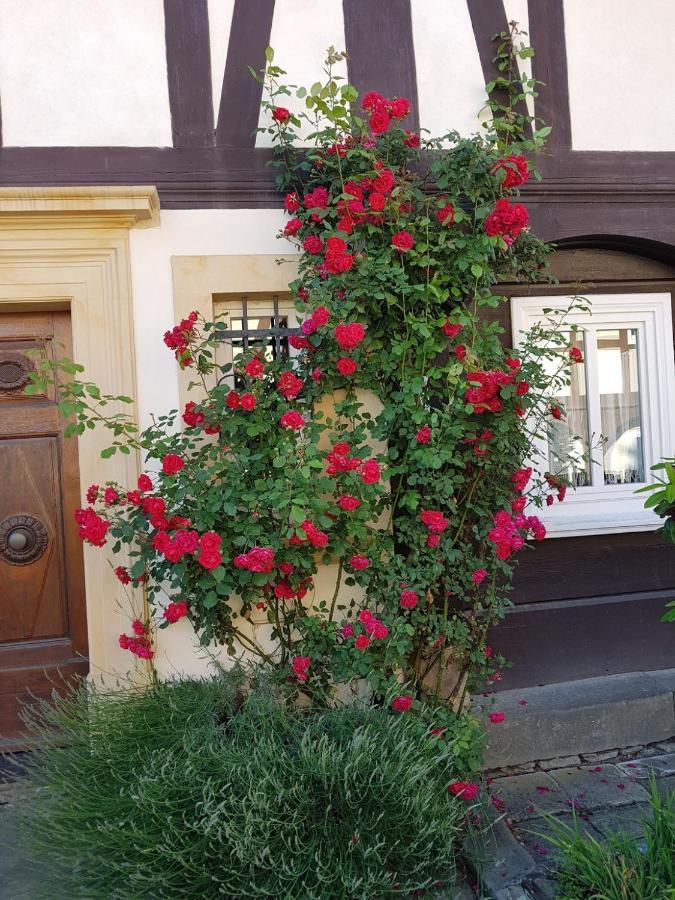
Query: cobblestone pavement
{"points": [[606, 792]]}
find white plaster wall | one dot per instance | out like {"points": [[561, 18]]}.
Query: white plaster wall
{"points": [[183, 233], [620, 68], [517, 11], [302, 32], [450, 84], [83, 73], [220, 23]]}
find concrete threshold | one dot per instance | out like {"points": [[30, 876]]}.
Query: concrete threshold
{"points": [[578, 717]]}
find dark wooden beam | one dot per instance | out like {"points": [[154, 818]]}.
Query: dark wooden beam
{"points": [[549, 65], [240, 100], [188, 62], [381, 56]]}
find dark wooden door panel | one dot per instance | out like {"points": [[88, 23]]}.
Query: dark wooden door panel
{"points": [[42, 608], [553, 642], [594, 566]]}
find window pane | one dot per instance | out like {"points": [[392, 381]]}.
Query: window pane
{"points": [[619, 387], [568, 437]]}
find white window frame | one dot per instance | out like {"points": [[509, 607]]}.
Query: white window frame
{"points": [[606, 509]]}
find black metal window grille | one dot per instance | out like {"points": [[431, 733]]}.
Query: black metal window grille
{"points": [[266, 335]]}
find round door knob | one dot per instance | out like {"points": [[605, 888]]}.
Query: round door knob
{"points": [[17, 539]]}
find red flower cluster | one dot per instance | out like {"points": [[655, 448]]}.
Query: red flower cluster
{"points": [[349, 335], [92, 528], [507, 220], [484, 395], [139, 644], [409, 599], [175, 548], [209, 550], [172, 464], [292, 420], [300, 666], [316, 320], [257, 559], [434, 520], [176, 611], [402, 241], [514, 169], [507, 533], [336, 259], [289, 385], [402, 703], [465, 790], [313, 535], [122, 575], [178, 339], [339, 460], [381, 111], [246, 402]]}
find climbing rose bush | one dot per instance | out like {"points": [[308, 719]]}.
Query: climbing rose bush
{"points": [[392, 444]]}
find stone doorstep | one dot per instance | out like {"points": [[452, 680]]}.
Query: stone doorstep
{"points": [[573, 718]]}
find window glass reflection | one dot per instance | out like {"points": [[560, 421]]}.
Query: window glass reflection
{"points": [[619, 388], [569, 437]]}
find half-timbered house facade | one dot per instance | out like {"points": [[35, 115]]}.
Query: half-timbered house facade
{"points": [[133, 189]]}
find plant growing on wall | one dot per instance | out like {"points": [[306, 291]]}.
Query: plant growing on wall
{"points": [[394, 446]]}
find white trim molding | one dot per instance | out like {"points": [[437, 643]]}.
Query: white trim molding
{"points": [[601, 508]]}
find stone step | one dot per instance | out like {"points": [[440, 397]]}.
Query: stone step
{"points": [[573, 718]]}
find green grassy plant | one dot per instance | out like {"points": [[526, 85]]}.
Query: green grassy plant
{"points": [[188, 789], [620, 868]]}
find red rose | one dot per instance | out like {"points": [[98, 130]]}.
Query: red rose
{"points": [[400, 108], [479, 576], [446, 214], [176, 611], [513, 169], [300, 666], [434, 520], [110, 496], [247, 402], [191, 418], [313, 244], [372, 101], [348, 503], [460, 352], [209, 559], [291, 202], [172, 464], [379, 121], [122, 575], [255, 368], [465, 790], [507, 220], [92, 493], [377, 201], [349, 335], [362, 642], [232, 401], [291, 419], [358, 562], [280, 114], [384, 182], [576, 355], [412, 139], [335, 245], [370, 471], [292, 227], [144, 483], [556, 412], [402, 241], [402, 703], [346, 366], [317, 199], [423, 436], [289, 385], [522, 387], [409, 599], [450, 329]]}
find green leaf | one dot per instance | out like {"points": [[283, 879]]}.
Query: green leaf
{"points": [[269, 54], [476, 270]]}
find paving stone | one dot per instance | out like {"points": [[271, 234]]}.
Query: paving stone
{"points": [[527, 796], [506, 862], [535, 837], [562, 762], [599, 786], [628, 820], [605, 756], [667, 746], [656, 765], [515, 892]]}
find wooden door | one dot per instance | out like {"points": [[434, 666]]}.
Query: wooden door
{"points": [[43, 636]]}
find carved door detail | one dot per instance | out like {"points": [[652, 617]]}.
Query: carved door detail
{"points": [[42, 609]]}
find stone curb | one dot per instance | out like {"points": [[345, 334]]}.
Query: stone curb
{"points": [[579, 717]]}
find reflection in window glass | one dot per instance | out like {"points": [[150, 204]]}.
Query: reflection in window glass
{"points": [[620, 405], [568, 437]]}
